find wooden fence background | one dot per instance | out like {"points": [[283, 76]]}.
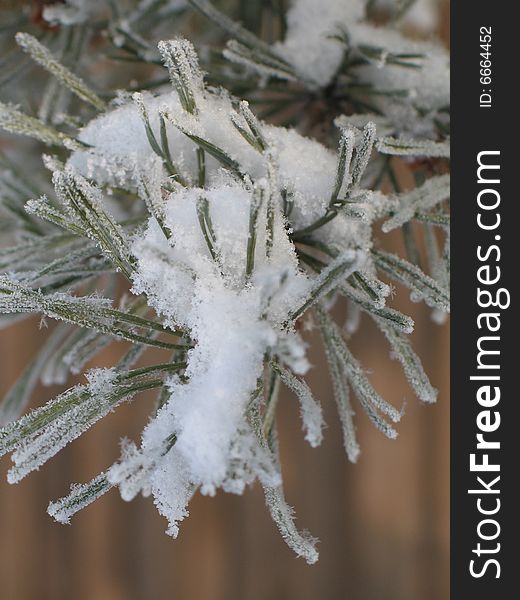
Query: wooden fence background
{"points": [[383, 523]]}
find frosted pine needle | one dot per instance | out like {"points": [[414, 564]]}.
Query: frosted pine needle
{"points": [[210, 224]]}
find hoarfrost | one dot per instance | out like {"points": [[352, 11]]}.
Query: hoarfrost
{"points": [[311, 413], [216, 262], [81, 495], [233, 320]]}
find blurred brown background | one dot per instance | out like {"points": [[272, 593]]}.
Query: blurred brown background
{"points": [[383, 523]]}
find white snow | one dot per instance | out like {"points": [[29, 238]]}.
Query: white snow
{"points": [[218, 262], [309, 45], [215, 257], [428, 87], [235, 314], [120, 148], [233, 321]]}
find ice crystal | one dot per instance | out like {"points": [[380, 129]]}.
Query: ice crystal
{"points": [[229, 232]]}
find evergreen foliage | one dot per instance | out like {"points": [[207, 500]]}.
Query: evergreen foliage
{"points": [[208, 198]]}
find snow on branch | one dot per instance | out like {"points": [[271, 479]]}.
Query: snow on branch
{"points": [[233, 219]]}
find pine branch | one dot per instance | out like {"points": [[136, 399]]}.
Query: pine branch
{"points": [[338, 270], [413, 369], [405, 147], [83, 203], [390, 316], [87, 312], [302, 543], [42, 56], [424, 198], [342, 398], [212, 149], [181, 60], [85, 403], [235, 30], [231, 226], [15, 121], [421, 285], [80, 497], [310, 409], [368, 397]]}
